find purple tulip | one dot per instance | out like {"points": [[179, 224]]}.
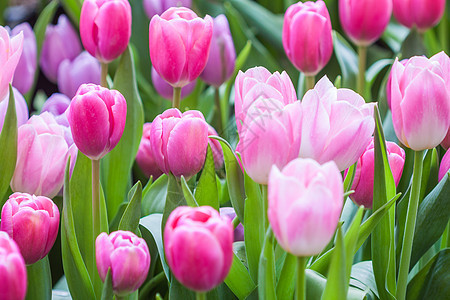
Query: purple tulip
{"points": [[216, 148], [165, 90], [231, 214], [21, 109], [10, 52], [26, 68], [13, 273], [157, 7]]}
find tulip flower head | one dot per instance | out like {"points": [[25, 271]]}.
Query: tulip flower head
{"points": [[157, 7], [10, 52], [21, 108], [445, 165], [165, 90], [144, 157], [13, 272], [422, 14]]}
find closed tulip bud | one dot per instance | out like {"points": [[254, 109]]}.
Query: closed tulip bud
{"points": [[165, 90], [145, 158], [21, 109], [337, 125], [216, 148], [388, 84], [105, 28], [231, 214], [57, 105], [179, 142], [128, 258], [305, 202], [364, 21], [13, 273], [445, 165], [97, 118], [157, 7], [420, 101], [61, 42], [33, 222], [24, 74], [307, 38], [446, 142], [222, 56], [198, 244], [422, 14], [179, 43], [10, 52], [71, 74]]}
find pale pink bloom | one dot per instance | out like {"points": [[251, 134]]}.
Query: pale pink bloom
{"points": [[26, 68], [13, 273], [10, 52]]}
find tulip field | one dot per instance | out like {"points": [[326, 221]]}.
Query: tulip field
{"points": [[224, 149]]}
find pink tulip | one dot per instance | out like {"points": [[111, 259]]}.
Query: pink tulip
{"points": [[145, 158], [105, 28], [231, 214], [307, 38], [216, 148], [259, 83], [128, 257], [446, 142], [10, 52], [388, 84], [337, 125], [363, 180], [420, 101], [33, 223], [97, 119], [364, 21], [61, 42], [222, 56], [198, 244], [445, 165], [21, 109], [165, 90], [26, 68], [13, 274], [157, 7], [305, 202], [42, 153], [179, 45], [179, 142], [422, 14]]}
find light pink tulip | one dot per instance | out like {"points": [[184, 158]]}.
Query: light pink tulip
{"points": [[258, 83], [21, 108], [198, 244], [305, 202], [216, 148], [42, 153], [364, 21], [363, 180], [337, 125], [97, 119], [179, 142], [445, 165], [165, 90], [13, 273], [307, 37], [388, 84], [26, 68], [157, 7], [422, 14], [10, 52], [420, 101], [145, 158], [33, 223], [128, 257], [179, 44]]}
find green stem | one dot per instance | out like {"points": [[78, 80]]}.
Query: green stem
{"points": [[265, 205], [448, 235], [150, 285], [104, 73], [176, 97], [236, 222], [310, 81], [218, 111], [362, 58], [301, 278], [409, 227], [96, 198], [200, 296]]}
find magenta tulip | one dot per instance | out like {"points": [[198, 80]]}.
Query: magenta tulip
{"points": [[420, 101], [364, 21], [157, 7], [10, 52], [446, 142], [13, 273], [97, 119], [422, 14], [445, 165], [307, 37], [198, 244], [337, 125], [165, 90], [179, 44], [179, 142], [33, 223], [21, 109], [145, 158], [216, 148], [26, 68], [128, 258], [305, 202], [231, 214]]}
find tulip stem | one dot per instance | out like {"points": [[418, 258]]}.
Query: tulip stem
{"points": [[409, 226], [39, 280], [236, 222], [218, 111], [301, 278], [362, 58], [265, 205], [310, 81], [176, 97], [96, 197], [200, 296], [104, 73]]}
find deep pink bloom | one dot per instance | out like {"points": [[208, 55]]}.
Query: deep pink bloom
{"points": [[105, 28], [305, 202], [364, 21], [179, 142], [307, 37], [445, 165], [26, 68], [145, 158], [128, 257], [13, 273], [198, 243], [97, 119], [21, 108], [422, 14], [157, 7], [179, 44], [165, 90], [10, 52], [446, 142], [216, 148], [231, 214]]}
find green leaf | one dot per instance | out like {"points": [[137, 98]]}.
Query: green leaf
{"points": [[363, 273], [286, 282], [336, 282], [132, 214], [347, 59], [73, 9], [45, 17], [39, 280], [266, 272], [348, 181], [174, 199], [429, 173], [178, 291], [206, 191], [107, 291], [154, 196], [238, 279], [413, 45], [190, 200]]}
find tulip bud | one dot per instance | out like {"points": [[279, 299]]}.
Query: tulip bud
{"points": [[222, 56], [307, 38], [97, 118], [179, 142], [305, 202], [21, 109], [71, 74], [179, 43], [364, 21], [446, 142], [128, 258], [422, 14], [12, 270], [198, 244], [216, 148], [10, 52], [231, 214], [145, 158], [61, 42], [388, 84], [157, 7], [57, 105], [445, 165], [33, 223], [165, 90], [26, 68]]}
